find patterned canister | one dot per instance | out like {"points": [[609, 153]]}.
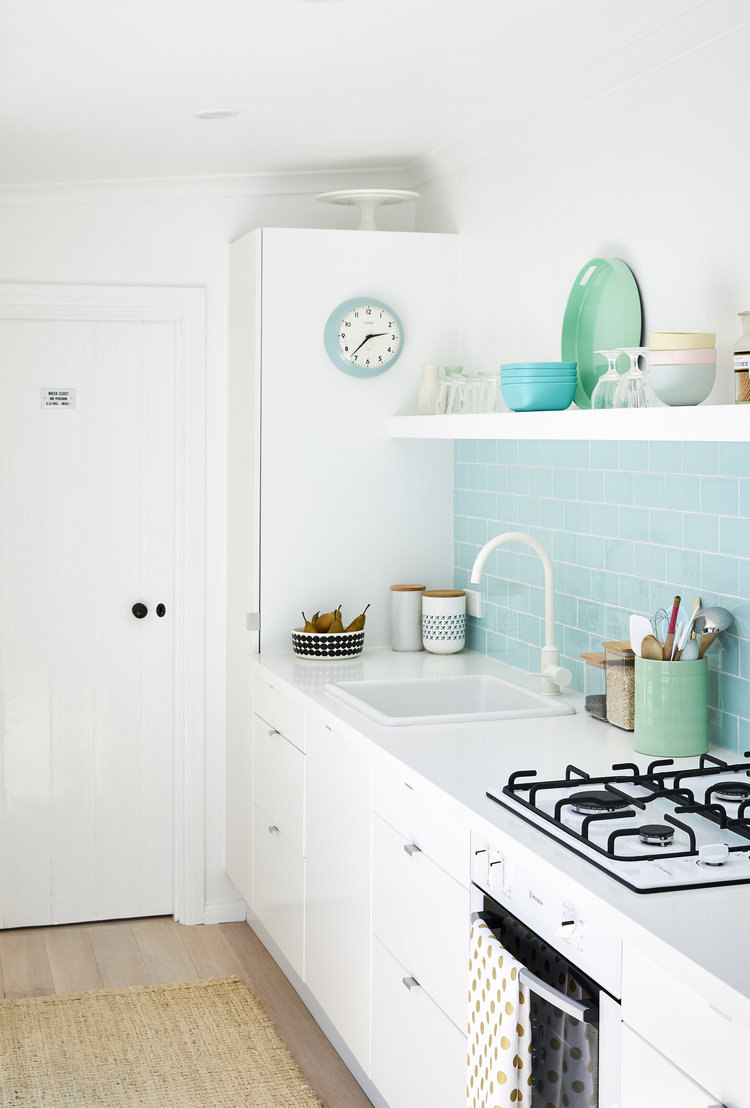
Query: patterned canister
{"points": [[444, 621]]}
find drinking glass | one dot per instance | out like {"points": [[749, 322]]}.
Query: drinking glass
{"points": [[634, 389], [606, 387]]}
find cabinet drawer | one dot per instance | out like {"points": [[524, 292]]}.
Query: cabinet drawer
{"points": [[279, 781], [278, 889], [681, 1024], [274, 706], [418, 1055], [402, 802], [645, 1074], [421, 915]]}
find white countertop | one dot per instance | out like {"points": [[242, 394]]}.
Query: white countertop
{"points": [[699, 934]]}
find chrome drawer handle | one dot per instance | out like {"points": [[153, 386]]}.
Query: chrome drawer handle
{"points": [[273, 829], [411, 983], [412, 849]]}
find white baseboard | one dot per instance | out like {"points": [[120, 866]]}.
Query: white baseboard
{"points": [[225, 911]]}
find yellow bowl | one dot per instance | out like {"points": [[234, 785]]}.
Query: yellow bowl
{"points": [[681, 340]]}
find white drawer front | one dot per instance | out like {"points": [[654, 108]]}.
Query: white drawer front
{"points": [[279, 781], [274, 706], [711, 1048], [647, 1078], [403, 803], [278, 889], [421, 915], [418, 1055]]}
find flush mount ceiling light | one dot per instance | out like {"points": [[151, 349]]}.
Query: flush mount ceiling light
{"points": [[217, 113]]}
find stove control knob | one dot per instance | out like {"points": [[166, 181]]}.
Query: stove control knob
{"points": [[713, 854]]}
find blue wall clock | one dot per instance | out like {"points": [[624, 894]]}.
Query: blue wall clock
{"points": [[363, 337]]}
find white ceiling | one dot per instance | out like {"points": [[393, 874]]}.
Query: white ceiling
{"points": [[93, 90]]}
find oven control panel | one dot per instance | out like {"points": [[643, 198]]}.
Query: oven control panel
{"points": [[536, 900]]}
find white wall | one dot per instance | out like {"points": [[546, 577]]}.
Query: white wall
{"points": [[654, 172], [168, 236]]}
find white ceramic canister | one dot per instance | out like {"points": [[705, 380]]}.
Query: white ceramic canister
{"points": [[406, 617], [428, 389], [444, 621]]}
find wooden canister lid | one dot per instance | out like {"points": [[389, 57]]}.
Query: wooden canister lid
{"points": [[445, 592], [408, 588], [619, 646], [596, 659]]}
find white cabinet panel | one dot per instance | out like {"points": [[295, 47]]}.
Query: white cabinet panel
{"points": [[421, 915], [278, 781], [707, 1045], [402, 802], [337, 883], [274, 706], [649, 1078], [278, 889], [418, 1054]]}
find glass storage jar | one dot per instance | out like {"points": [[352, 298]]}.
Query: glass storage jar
{"points": [[595, 685], [619, 666], [742, 362]]}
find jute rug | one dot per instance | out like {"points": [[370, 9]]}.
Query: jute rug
{"points": [[207, 1044]]}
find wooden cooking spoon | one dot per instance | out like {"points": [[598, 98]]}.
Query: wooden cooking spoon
{"points": [[652, 649]]}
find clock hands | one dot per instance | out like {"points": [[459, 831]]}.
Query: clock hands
{"points": [[374, 335]]}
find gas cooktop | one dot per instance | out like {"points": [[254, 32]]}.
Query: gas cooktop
{"points": [[661, 829]]}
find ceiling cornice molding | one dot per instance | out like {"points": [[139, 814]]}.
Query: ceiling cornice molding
{"points": [[229, 187]]}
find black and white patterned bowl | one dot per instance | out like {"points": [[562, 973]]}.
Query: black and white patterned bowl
{"points": [[311, 644]]}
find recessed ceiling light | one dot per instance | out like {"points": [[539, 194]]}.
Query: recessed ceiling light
{"points": [[216, 113]]}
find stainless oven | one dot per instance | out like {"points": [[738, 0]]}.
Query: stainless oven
{"points": [[570, 967]]}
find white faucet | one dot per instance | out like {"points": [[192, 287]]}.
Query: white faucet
{"points": [[553, 675]]}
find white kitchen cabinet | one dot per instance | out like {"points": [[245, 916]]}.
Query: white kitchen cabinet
{"points": [[420, 924], [337, 883], [647, 1077], [278, 798], [671, 1013], [418, 1054]]}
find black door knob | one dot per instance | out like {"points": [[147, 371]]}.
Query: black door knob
{"points": [[139, 610]]}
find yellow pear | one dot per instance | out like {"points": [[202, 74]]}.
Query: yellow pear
{"points": [[324, 622], [310, 624], [337, 626], [358, 623]]}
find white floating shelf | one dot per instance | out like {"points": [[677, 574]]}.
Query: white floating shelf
{"points": [[703, 423]]}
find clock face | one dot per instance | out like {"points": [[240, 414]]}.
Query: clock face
{"points": [[363, 337]]}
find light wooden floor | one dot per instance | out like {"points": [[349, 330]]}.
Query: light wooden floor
{"points": [[70, 959]]}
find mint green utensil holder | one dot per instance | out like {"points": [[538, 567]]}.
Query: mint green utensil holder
{"points": [[671, 715]]}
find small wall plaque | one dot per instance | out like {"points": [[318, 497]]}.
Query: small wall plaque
{"points": [[58, 398]]}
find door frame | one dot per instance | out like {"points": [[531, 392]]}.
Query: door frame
{"points": [[185, 309]]}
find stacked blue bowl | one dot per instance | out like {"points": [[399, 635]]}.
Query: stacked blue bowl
{"points": [[538, 386]]}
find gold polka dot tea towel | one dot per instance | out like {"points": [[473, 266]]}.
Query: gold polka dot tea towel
{"points": [[499, 1031]]}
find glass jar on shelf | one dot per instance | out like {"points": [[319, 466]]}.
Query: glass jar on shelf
{"points": [[742, 362]]}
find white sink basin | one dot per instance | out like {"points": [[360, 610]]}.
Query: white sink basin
{"points": [[418, 701]]}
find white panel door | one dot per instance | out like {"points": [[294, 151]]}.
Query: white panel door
{"points": [[87, 509]]}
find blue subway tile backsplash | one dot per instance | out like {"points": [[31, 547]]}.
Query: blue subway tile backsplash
{"points": [[628, 525]]}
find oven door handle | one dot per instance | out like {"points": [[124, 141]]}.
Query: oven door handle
{"points": [[584, 1012]]}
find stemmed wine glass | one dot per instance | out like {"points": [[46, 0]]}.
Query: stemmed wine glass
{"points": [[606, 386], [634, 389]]}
